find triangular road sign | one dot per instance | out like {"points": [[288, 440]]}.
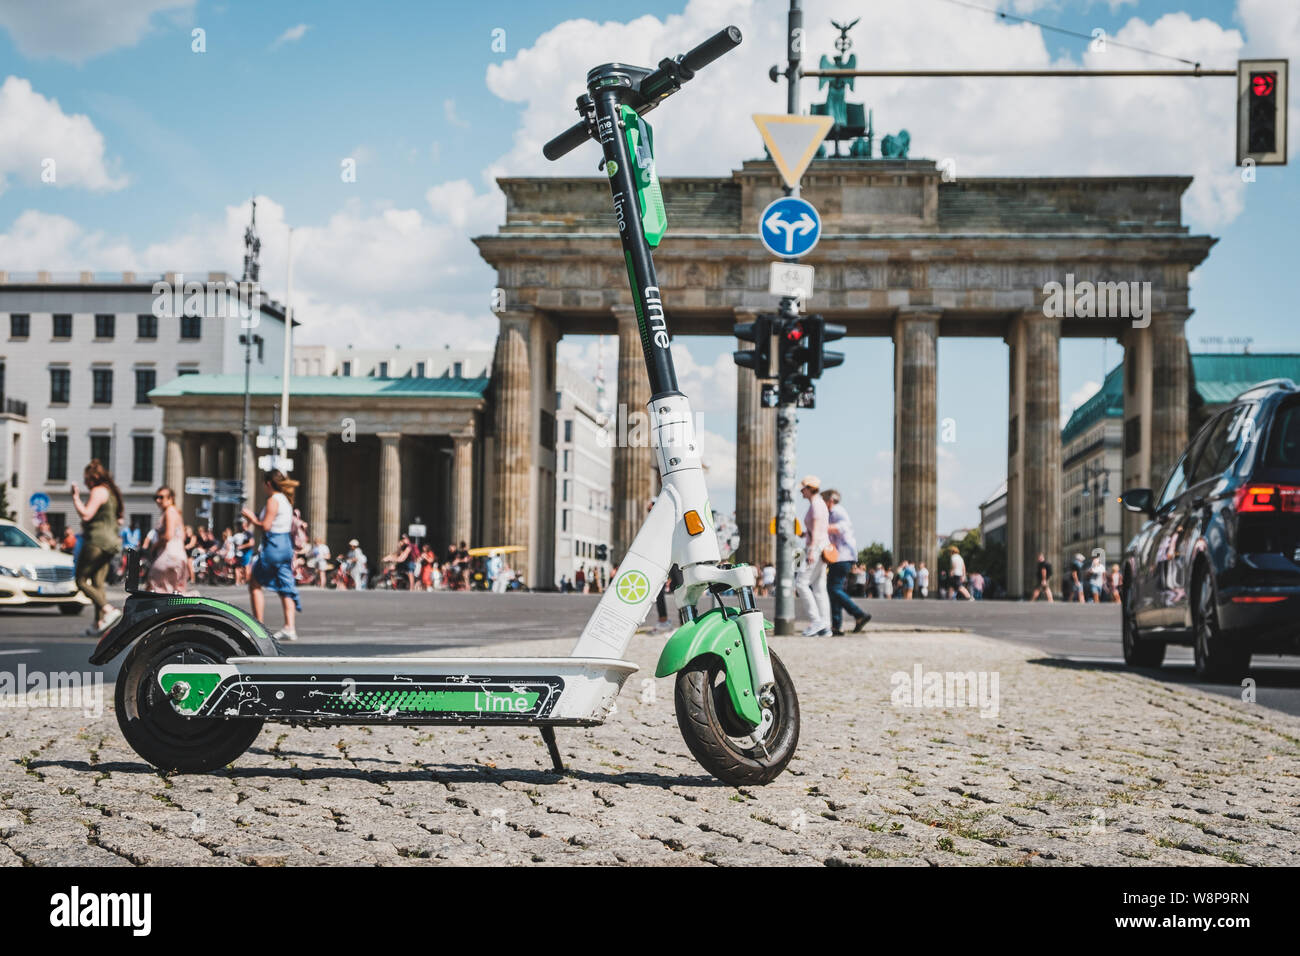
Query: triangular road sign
{"points": [[792, 141]]}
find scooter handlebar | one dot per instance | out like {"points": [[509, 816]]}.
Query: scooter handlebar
{"points": [[724, 41]]}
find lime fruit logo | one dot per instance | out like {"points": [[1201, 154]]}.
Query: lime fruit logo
{"points": [[632, 587], [611, 167]]}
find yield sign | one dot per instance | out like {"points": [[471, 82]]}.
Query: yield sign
{"points": [[792, 141]]}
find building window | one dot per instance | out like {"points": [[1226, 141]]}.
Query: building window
{"points": [[145, 380], [187, 370], [383, 370], [20, 325], [63, 325], [191, 327], [568, 461], [142, 458], [567, 489], [347, 369], [101, 448], [103, 386], [419, 370], [146, 326], [60, 386], [105, 325], [568, 429], [457, 369], [56, 468], [564, 520]]}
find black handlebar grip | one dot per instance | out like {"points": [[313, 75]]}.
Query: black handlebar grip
{"points": [[569, 140], [724, 41]]}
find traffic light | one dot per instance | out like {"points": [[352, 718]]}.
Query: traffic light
{"points": [[792, 341], [759, 358], [602, 552], [1261, 112], [819, 332]]}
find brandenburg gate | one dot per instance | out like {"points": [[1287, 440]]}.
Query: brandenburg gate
{"points": [[904, 255]]}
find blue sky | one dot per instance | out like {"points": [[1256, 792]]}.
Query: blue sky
{"points": [[173, 142]]}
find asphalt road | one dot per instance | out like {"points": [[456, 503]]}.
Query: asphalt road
{"points": [[388, 623]]}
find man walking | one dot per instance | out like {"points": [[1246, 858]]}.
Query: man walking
{"points": [[810, 582], [1044, 579], [840, 533]]}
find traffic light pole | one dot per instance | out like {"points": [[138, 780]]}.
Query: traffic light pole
{"points": [[787, 419]]}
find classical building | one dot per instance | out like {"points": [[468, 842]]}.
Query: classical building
{"points": [[993, 517], [374, 454], [79, 355], [903, 255], [417, 362]]}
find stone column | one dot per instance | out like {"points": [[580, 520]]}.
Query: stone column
{"points": [[916, 334], [512, 473], [390, 493], [1169, 387], [755, 466], [174, 463], [633, 456], [318, 485], [192, 464], [1034, 459], [244, 452], [462, 488]]}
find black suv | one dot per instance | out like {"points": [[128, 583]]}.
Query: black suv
{"points": [[1217, 564]]}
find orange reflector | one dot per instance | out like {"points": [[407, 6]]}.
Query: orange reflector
{"points": [[693, 523], [1260, 599]]}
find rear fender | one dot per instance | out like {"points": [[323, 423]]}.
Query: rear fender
{"points": [[718, 633], [145, 612]]}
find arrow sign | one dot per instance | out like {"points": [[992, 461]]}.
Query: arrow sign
{"points": [[792, 141], [790, 227]]}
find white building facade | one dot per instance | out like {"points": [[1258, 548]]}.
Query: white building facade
{"points": [[79, 355], [583, 477]]}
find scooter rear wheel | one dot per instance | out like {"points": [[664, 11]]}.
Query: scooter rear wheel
{"points": [[720, 740], [151, 724]]}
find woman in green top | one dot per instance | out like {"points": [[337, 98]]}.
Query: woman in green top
{"points": [[99, 540]]}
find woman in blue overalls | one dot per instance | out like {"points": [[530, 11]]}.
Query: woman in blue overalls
{"points": [[273, 568]]}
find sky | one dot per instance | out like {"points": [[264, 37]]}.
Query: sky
{"points": [[163, 118]]}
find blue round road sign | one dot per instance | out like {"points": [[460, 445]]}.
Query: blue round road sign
{"points": [[39, 501], [790, 227]]}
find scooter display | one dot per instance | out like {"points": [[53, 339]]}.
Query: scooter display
{"points": [[202, 676]]}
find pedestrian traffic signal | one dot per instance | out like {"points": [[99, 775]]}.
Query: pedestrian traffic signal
{"points": [[820, 332], [1261, 112], [759, 358], [602, 552]]}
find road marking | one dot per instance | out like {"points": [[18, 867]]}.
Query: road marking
{"points": [[24, 650]]}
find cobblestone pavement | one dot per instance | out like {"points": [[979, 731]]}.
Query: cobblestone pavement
{"points": [[1079, 766]]}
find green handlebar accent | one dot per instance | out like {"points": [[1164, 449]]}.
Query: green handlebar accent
{"points": [[717, 632], [640, 146]]}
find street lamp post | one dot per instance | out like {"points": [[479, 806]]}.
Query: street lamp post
{"points": [[252, 268]]}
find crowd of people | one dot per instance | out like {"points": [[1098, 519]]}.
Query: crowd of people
{"points": [[1085, 581]]}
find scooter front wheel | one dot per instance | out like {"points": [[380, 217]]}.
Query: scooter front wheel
{"points": [[152, 725], [723, 743]]}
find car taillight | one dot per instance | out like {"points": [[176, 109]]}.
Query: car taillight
{"points": [[1268, 498]]}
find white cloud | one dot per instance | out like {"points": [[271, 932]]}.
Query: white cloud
{"points": [[34, 130], [79, 30], [291, 35], [449, 111]]}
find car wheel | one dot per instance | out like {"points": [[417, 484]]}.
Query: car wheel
{"points": [[71, 609], [1216, 657], [1137, 653]]}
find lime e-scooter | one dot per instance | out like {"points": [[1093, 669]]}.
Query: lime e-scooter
{"points": [[202, 676]]}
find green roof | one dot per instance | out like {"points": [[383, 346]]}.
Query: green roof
{"points": [[1219, 377], [1108, 402], [326, 385]]}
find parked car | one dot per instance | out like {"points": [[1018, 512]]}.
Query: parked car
{"points": [[32, 576], [1217, 563]]}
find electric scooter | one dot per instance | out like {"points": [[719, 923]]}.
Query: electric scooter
{"points": [[202, 676]]}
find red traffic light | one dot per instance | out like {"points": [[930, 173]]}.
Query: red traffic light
{"points": [[794, 333], [1263, 84]]}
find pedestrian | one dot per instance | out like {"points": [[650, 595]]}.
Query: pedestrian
{"points": [[168, 563], [1115, 582], [957, 574], [319, 561], [1044, 578], [1075, 581], [923, 579], [977, 585], [273, 569], [580, 579], [355, 566], [880, 578], [769, 578], [810, 582], [99, 540], [1096, 579], [840, 535]]}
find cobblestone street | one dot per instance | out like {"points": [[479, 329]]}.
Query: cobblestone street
{"points": [[1080, 765]]}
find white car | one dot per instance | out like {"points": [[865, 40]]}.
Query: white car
{"points": [[32, 576]]}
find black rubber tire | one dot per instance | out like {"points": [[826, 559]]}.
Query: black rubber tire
{"points": [[72, 609], [151, 724], [1216, 657], [1137, 652], [708, 721]]}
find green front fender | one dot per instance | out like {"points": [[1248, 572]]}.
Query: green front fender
{"points": [[717, 632]]}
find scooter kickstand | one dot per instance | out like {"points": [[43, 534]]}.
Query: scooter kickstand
{"points": [[548, 734]]}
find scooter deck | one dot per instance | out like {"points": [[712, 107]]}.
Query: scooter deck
{"points": [[400, 690]]}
